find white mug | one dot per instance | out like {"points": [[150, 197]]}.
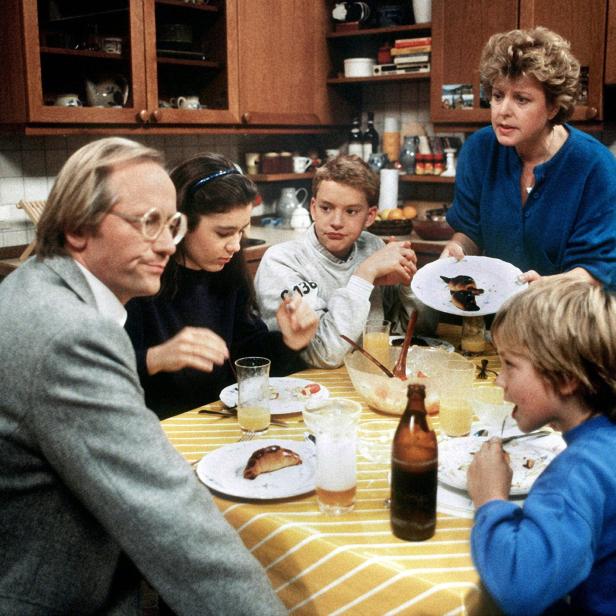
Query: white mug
{"points": [[67, 100], [252, 162], [188, 102], [301, 164]]}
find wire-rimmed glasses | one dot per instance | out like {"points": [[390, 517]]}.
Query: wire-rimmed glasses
{"points": [[153, 222]]}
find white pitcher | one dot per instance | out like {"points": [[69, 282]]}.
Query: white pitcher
{"points": [[289, 200]]}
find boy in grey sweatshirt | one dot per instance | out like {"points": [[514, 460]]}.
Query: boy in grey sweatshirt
{"points": [[345, 274]]}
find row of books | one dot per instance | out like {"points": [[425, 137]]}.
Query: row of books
{"points": [[410, 55]]}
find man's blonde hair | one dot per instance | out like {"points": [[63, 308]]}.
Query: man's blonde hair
{"points": [[80, 196], [538, 53], [568, 330], [352, 171]]}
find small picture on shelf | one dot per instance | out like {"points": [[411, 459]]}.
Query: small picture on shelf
{"points": [[457, 96]]}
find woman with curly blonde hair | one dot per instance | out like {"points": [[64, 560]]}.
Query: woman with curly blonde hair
{"points": [[531, 189]]}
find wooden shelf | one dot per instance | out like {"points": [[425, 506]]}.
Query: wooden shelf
{"points": [[380, 31], [428, 179], [187, 62], [185, 5], [280, 177], [379, 78], [82, 53]]}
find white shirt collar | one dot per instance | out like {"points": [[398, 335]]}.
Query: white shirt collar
{"points": [[106, 302]]}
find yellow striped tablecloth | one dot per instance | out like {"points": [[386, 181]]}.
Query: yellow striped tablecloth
{"points": [[351, 564]]}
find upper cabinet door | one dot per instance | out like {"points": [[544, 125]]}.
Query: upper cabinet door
{"points": [[583, 25], [191, 62], [610, 46], [283, 62], [82, 62], [459, 32]]}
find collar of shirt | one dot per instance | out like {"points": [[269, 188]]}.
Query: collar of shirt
{"points": [[106, 302]]}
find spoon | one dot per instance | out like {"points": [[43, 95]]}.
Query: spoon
{"points": [[373, 359], [400, 367]]}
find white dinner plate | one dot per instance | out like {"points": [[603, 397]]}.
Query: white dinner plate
{"points": [[223, 471], [528, 459], [286, 396], [497, 278]]}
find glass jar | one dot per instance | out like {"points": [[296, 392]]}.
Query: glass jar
{"points": [[408, 154]]}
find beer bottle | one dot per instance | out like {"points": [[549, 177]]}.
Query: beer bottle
{"points": [[414, 469], [355, 138]]}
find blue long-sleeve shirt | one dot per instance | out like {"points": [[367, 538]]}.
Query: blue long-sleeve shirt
{"points": [[563, 540], [568, 221], [201, 302]]}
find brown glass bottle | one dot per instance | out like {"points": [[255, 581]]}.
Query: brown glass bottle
{"points": [[414, 471]]}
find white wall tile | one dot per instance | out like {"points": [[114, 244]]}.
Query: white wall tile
{"points": [[35, 188], [11, 190]]}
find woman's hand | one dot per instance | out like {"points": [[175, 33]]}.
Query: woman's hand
{"points": [[192, 347], [453, 249], [459, 246], [489, 475], [297, 321], [577, 273]]}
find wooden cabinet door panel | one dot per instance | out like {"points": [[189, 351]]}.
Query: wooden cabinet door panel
{"points": [[610, 45], [460, 30]]}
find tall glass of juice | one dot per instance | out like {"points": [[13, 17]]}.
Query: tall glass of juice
{"points": [[253, 411]]}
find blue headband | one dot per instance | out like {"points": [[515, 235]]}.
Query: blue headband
{"points": [[212, 176]]}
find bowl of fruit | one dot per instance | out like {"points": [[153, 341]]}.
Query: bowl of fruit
{"points": [[394, 221]]}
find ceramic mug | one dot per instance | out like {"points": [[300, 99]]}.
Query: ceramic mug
{"points": [[188, 102], [252, 162], [301, 164], [68, 100]]}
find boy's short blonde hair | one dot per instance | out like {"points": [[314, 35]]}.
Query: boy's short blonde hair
{"points": [[567, 330], [538, 53], [351, 170]]}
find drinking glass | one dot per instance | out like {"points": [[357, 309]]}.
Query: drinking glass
{"points": [[376, 339], [334, 423], [253, 411], [456, 411]]}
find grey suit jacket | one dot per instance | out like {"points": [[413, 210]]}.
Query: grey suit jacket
{"points": [[91, 490]]}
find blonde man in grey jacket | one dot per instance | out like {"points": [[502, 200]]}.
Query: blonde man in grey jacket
{"points": [[93, 497], [344, 273]]}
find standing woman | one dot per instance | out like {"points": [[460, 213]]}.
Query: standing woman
{"points": [[530, 189], [205, 316]]}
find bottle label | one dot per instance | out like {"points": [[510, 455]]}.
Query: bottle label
{"points": [[357, 149]]}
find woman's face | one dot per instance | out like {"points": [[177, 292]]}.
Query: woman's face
{"points": [[520, 113], [212, 244]]}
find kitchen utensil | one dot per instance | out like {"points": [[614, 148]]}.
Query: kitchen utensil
{"points": [[289, 200], [535, 434], [400, 367], [107, 91], [231, 412], [365, 353], [359, 67]]}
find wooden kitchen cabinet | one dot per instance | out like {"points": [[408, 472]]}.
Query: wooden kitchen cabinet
{"points": [[57, 49], [610, 45], [461, 29]]}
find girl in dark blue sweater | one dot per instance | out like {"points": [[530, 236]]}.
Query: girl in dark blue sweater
{"points": [[205, 316]]}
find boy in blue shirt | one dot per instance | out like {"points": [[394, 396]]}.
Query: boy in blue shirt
{"points": [[558, 551]]}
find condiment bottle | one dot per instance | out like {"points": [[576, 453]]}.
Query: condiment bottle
{"points": [[370, 138], [391, 139], [414, 471], [355, 138]]}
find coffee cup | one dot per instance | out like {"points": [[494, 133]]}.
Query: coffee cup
{"points": [[252, 162], [188, 102], [68, 100], [301, 164]]}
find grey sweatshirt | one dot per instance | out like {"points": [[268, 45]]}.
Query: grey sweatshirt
{"points": [[344, 302]]}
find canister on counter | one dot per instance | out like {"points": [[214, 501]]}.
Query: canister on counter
{"points": [[391, 138]]}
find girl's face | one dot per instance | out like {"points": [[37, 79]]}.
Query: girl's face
{"points": [[520, 113], [212, 244], [536, 401]]}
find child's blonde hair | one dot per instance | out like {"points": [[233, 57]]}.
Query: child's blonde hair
{"points": [[567, 330]]}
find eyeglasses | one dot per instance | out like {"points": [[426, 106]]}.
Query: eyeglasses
{"points": [[152, 224]]}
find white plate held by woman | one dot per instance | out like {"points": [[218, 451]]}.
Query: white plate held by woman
{"points": [[497, 278], [287, 394]]}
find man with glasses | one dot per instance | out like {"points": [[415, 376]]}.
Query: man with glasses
{"points": [[93, 497]]}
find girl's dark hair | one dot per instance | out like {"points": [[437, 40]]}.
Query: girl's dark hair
{"points": [[211, 184]]}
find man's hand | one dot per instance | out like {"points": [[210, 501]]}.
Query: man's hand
{"points": [[192, 347], [297, 321], [395, 263], [489, 475]]}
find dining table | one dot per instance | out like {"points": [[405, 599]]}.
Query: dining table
{"points": [[351, 563]]}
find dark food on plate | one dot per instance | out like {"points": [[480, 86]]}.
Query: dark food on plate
{"points": [[463, 290], [270, 459], [465, 300]]}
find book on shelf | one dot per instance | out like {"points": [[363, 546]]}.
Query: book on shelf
{"points": [[413, 42], [402, 51], [414, 59]]}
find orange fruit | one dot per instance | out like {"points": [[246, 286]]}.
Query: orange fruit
{"points": [[409, 212], [396, 214]]}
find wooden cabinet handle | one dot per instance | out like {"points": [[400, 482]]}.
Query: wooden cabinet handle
{"points": [[156, 116], [143, 116], [591, 112]]}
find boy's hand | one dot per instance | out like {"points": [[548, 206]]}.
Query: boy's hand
{"points": [[489, 475], [395, 263], [192, 347], [297, 321]]}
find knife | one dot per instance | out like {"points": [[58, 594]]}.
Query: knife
{"points": [[273, 420]]}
